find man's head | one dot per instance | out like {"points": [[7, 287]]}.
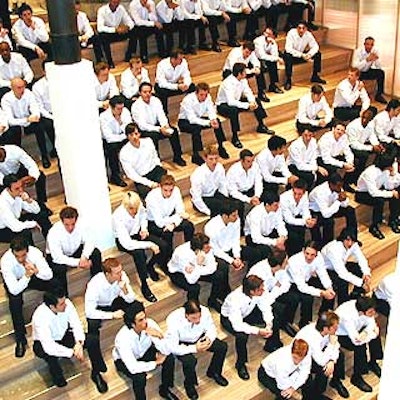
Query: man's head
{"points": [[19, 247], [112, 269], [202, 91], [366, 117], [301, 28], [132, 133], [299, 350], [131, 201], [5, 52], [299, 188], [392, 107], [200, 242], [369, 44], [335, 182], [253, 286], [353, 75], [239, 71], [277, 259], [117, 105], [348, 237], [135, 64], [277, 145], [77, 5], [247, 48], [211, 156], [271, 201], [384, 161], [25, 13], [339, 129], [246, 159], [317, 91], [167, 184], [230, 211], [270, 33], [305, 133], [12, 183], [310, 251], [135, 317], [327, 323], [102, 71], [113, 4], [193, 311], [55, 300], [18, 87], [145, 91], [366, 305], [69, 216], [176, 58]]}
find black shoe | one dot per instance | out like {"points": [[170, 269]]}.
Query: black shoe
{"points": [[204, 46], [214, 304], [270, 347], [275, 89], [218, 378], [348, 188], [20, 349], [60, 381], [290, 329], [376, 232], [287, 85], [46, 162], [166, 393], [100, 383], [46, 210], [190, 50], [148, 295], [394, 227], [197, 159], [264, 129], [223, 153], [380, 99], [53, 153], [179, 161], [153, 275], [340, 388], [237, 143], [118, 182], [374, 368], [360, 383], [233, 43], [317, 79], [191, 392], [215, 47], [263, 97], [243, 373]]}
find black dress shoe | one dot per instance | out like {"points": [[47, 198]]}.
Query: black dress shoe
{"points": [[237, 143], [197, 159], [204, 46], [275, 89], [263, 97], [148, 295], [59, 381], [100, 383], [380, 99], [348, 188], [340, 388], [360, 383], [218, 378], [394, 227], [46, 162], [166, 393], [376, 232], [214, 304], [179, 161], [153, 275], [215, 47], [264, 129], [243, 373], [53, 153], [191, 392], [317, 79], [20, 349], [223, 153], [233, 43], [270, 347], [117, 181], [374, 368], [290, 329], [287, 85]]}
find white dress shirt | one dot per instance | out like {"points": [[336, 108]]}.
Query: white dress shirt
{"points": [[235, 6], [100, 292], [232, 90], [14, 273], [266, 50], [84, 27], [191, 9], [300, 272], [336, 257], [149, 116], [139, 161], [302, 156], [41, 91], [224, 238], [25, 36], [106, 90], [182, 335], [112, 130], [213, 7], [184, 257], [130, 83], [197, 112], [236, 56], [268, 164], [387, 129], [240, 181], [17, 67], [387, 288], [49, 327], [205, 183], [15, 157], [237, 306], [378, 183], [346, 95], [294, 213], [61, 244], [143, 15], [309, 110], [108, 21], [260, 223], [360, 59], [165, 14], [3, 121], [296, 45], [330, 148], [167, 76], [361, 138]]}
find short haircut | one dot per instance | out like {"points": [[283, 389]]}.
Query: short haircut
{"points": [[110, 263], [68, 212], [229, 207], [347, 233], [211, 150], [276, 257], [302, 22], [100, 66], [24, 7], [143, 84], [273, 30], [317, 89], [384, 161], [19, 243], [270, 197], [51, 297], [326, 320], [354, 69], [248, 45], [130, 128], [364, 303], [192, 306], [336, 122], [300, 348], [5, 43], [134, 60], [245, 153], [335, 178], [238, 68], [131, 199], [198, 241], [392, 104], [131, 311], [300, 184], [202, 86], [276, 142], [175, 53], [167, 180], [312, 244], [9, 179], [301, 128], [369, 38], [116, 100], [251, 283]]}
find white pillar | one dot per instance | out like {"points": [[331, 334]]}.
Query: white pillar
{"points": [[79, 146]]}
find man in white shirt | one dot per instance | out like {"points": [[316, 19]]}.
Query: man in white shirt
{"points": [[327, 202], [384, 293], [301, 47], [236, 10], [347, 93], [140, 161], [367, 60], [357, 331], [139, 348], [69, 245], [172, 78], [197, 112], [113, 122], [386, 125], [191, 330], [23, 267], [346, 264], [58, 333], [8, 135], [115, 25], [105, 85], [314, 112], [31, 35], [152, 121], [243, 312], [235, 96]]}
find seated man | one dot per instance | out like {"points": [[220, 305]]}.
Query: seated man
{"points": [[386, 124], [296, 11], [7, 135], [296, 215], [358, 330], [140, 161], [113, 123], [23, 267], [208, 184], [31, 35], [69, 245], [236, 10], [384, 292], [132, 236], [300, 47], [148, 113], [191, 330], [194, 261], [115, 25], [247, 311], [172, 78], [314, 112], [58, 333], [197, 112], [347, 93], [140, 348], [346, 264], [377, 185], [366, 59], [235, 96], [105, 85], [327, 202]]}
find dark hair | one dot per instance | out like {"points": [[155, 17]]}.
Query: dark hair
{"points": [[192, 306], [19, 243], [143, 84], [384, 161], [198, 241], [394, 103], [326, 320], [347, 233], [116, 100], [202, 86], [248, 45], [300, 184], [369, 38], [335, 178], [100, 66], [251, 282], [276, 257], [24, 7], [270, 197], [131, 311], [301, 128], [276, 142], [8, 180], [130, 128], [175, 53], [229, 207], [245, 153], [238, 68], [68, 212], [274, 31], [364, 303], [317, 89], [51, 297], [312, 244], [302, 22], [336, 122]]}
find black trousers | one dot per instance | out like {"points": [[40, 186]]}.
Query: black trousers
{"points": [[30, 54], [189, 361], [308, 176], [36, 128], [231, 25], [296, 238], [347, 113], [139, 379], [382, 306], [16, 302], [154, 175], [349, 177], [259, 251], [163, 94], [195, 130], [233, 114], [111, 151], [270, 67], [108, 38], [360, 366], [296, 11], [173, 140], [47, 125], [290, 61], [375, 74], [40, 184], [60, 270], [213, 22], [215, 203], [12, 136], [260, 80], [97, 44], [168, 35], [272, 14], [189, 27], [143, 33]]}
